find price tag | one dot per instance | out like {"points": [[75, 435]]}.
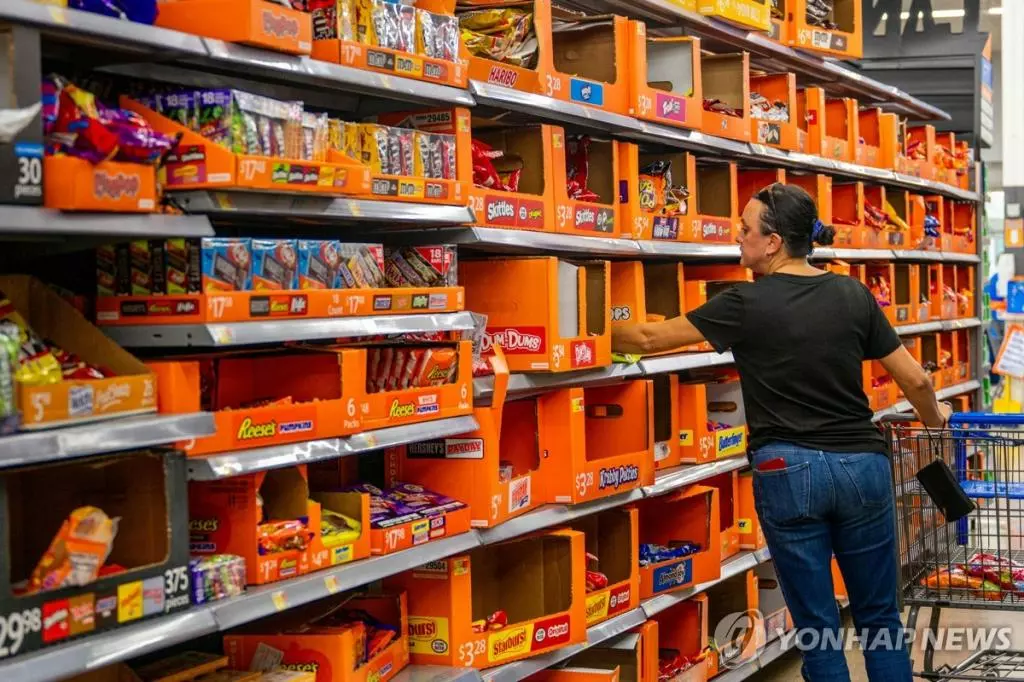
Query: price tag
{"points": [[331, 583], [280, 600]]}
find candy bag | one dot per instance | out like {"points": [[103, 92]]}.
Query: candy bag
{"points": [[283, 536], [577, 168], [504, 35], [77, 552], [336, 529]]}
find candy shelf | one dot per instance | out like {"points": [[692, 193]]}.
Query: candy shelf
{"points": [[258, 602], [437, 673], [937, 326], [735, 566], [44, 222], [79, 28], [683, 361], [228, 206], [667, 480], [59, 663], [719, 36], [948, 392], [523, 385], [227, 464], [109, 435], [211, 335], [626, 127]]}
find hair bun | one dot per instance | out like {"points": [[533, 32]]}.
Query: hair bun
{"points": [[825, 236]]}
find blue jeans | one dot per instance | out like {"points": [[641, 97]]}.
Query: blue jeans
{"points": [[825, 503]]}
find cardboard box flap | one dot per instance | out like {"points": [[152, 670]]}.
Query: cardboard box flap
{"points": [[53, 318]]}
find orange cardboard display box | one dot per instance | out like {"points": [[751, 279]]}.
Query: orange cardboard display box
{"points": [[931, 357], [880, 276], [878, 145], [571, 673], [901, 202], [831, 124], [728, 513], [845, 41], [612, 537], [906, 296], [848, 214], [964, 223], [589, 55], [407, 64], [451, 517], [646, 292], [838, 584], [871, 236], [133, 389], [780, 26], [689, 515], [683, 629], [225, 518], [567, 324], [454, 191], [200, 163], [633, 656], [753, 14], [878, 385], [726, 78], [926, 289], [718, 204], [716, 404], [259, 23], [771, 602], [532, 207], [920, 207], [750, 181], [947, 358], [536, 585], [777, 87], [666, 420], [945, 159], [317, 392], [819, 186], [703, 282], [964, 290], [601, 160], [640, 216], [492, 469], [738, 594], [665, 79], [595, 441], [751, 533], [921, 152], [525, 79], [73, 184], [307, 640], [962, 357], [913, 346]]}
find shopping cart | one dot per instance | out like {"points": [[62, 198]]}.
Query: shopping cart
{"points": [[976, 562]]}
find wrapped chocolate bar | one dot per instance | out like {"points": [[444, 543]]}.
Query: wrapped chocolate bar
{"points": [[421, 500]]}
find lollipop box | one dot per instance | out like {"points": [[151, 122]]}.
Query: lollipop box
{"points": [[963, 220], [771, 602], [535, 584], [665, 83], [144, 489], [133, 390], [701, 405], [636, 219], [566, 325], [304, 644], [689, 515], [611, 536], [316, 393], [683, 628]]}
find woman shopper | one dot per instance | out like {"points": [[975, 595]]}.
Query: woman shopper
{"points": [[822, 483]]}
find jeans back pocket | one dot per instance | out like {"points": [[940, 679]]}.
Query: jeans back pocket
{"points": [[783, 496], [870, 477]]}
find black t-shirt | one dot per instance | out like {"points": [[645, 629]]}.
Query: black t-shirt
{"points": [[799, 344]]}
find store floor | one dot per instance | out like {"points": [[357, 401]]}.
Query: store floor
{"points": [[787, 668]]}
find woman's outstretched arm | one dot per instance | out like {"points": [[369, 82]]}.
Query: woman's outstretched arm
{"points": [[655, 337]]}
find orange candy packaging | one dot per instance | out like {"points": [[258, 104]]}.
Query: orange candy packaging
{"points": [[77, 552]]}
